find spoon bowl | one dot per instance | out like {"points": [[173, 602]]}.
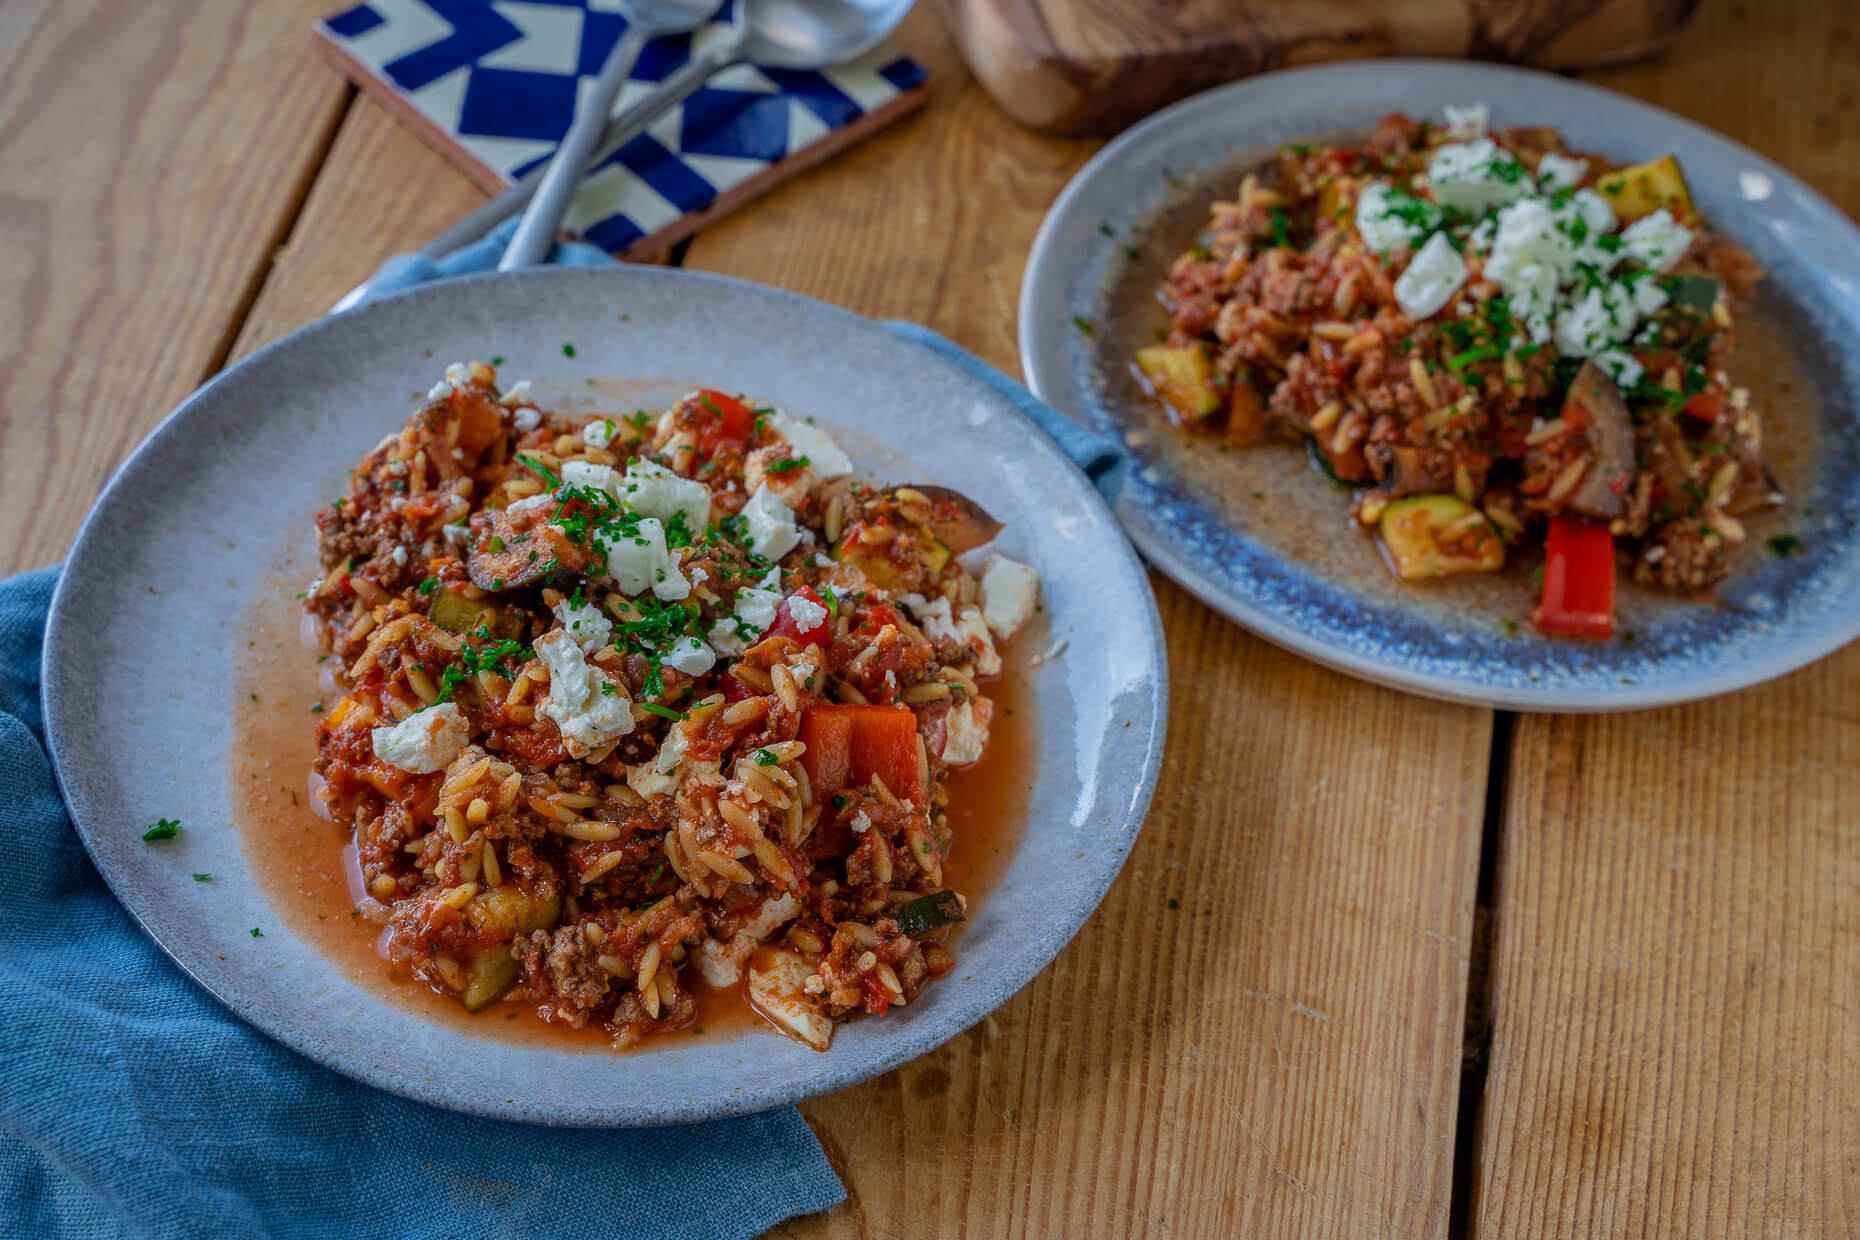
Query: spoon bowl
{"points": [[813, 34]]}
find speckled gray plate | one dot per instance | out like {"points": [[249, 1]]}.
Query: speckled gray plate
{"points": [[1141, 201], [143, 646]]}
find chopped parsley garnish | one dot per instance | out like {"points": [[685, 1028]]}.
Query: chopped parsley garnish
{"points": [[1484, 352], [316, 708], [568, 350], [1785, 545], [429, 585], [1281, 229], [164, 829], [494, 544], [766, 757], [539, 469], [1084, 324], [497, 361], [474, 659], [201, 878], [787, 465], [257, 933], [839, 801], [663, 712]]}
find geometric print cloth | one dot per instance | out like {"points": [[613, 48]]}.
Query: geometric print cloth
{"points": [[499, 79]]}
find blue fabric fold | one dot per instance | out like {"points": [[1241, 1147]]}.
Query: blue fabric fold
{"points": [[133, 1104]]}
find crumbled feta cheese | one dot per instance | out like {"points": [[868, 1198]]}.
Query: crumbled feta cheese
{"points": [[459, 533], [1605, 315], [968, 630], [1010, 591], [824, 456], [458, 374], [590, 709], [1388, 220], [754, 610], [965, 731], [1431, 278], [595, 477], [1621, 366], [978, 641], [772, 533], [638, 560], [1556, 171], [439, 391], [806, 613], [1468, 122], [1476, 176], [399, 555], [600, 432], [932, 615], [424, 742], [517, 394], [526, 420], [690, 656], [859, 823], [652, 490], [1658, 240], [667, 768], [586, 624], [532, 503], [790, 486]]}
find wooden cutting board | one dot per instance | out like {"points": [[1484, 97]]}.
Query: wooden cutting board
{"points": [[1095, 66]]}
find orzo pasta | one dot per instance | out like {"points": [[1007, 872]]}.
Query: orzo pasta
{"points": [[640, 704], [1495, 341]]}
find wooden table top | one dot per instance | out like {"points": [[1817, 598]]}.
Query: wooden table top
{"points": [[1377, 967]]}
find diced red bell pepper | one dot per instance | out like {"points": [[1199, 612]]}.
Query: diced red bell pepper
{"points": [[785, 625], [848, 744], [1705, 405], [732, 424], [873, 616], [1579, 580]]}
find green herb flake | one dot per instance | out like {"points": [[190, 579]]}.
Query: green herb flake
{"points": [[663, 712], [568, 350], [429, 585], [1084, 324], [766, 757], [1785, 545], [257, 933], [787, 465], [163, 829], [316, 708], [203, 878]]}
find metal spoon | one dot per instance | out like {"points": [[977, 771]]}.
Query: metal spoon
{"points": [[783, 34], [645, 20]]}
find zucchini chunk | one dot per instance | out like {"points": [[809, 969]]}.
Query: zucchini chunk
{"points": [[1439, 536]]}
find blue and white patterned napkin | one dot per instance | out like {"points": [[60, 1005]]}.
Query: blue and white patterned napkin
{"points": [[493, 84]]}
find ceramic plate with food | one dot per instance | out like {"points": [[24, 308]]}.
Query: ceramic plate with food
{"points": [[1469, 380], [677, 731]]}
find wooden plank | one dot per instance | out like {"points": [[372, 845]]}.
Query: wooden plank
{"points": [[382, 192], [1676, 970], [1278, 1054], [150, 157]]}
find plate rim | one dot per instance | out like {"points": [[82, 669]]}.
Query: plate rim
{"points": [[1043, 283], [905, 1044]]}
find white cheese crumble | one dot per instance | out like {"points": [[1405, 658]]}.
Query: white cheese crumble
{"points": [[1384, 228], [596, 477], [424, 742], [753, 612], [399, 555], [590, 709], [1467, 122], [1556, 171], [639, 561], [1476, 176], [806, 613], [1431, 278], [1658, 240], [772, 532], [668, 768], [967, 629], [600, 432], [518, 394], [526, 420], [439, 391], [824, 456], [591, 629], [459, 533], [532, 503], [690, 656], [1010, 591], [778, 988], [722, 963], [458, 374], [652, 490], [965, 731]]}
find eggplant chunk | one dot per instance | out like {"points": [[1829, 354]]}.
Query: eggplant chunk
{"points": [[504, 557], [1611, 435]]}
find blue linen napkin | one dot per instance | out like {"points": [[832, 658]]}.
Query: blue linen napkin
{"points": [[133, 1104], [1097, 455]]}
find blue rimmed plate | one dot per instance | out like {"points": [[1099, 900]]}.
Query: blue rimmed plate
{"points": [[1265, 541]]}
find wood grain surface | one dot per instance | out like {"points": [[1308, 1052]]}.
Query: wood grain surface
{"points": [[1096, 66], [1261, 1031], [149, 155], [1677, 966]]}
